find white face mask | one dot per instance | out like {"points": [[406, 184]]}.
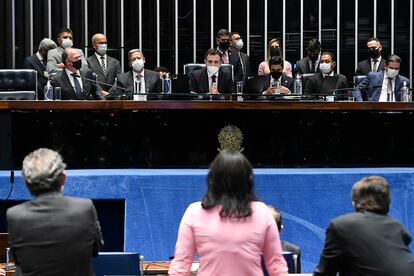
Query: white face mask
{"points": [[239, 44], [212, 69], [67, 43], [102, 49], [392, 73], [138, 65], [325, 68]]}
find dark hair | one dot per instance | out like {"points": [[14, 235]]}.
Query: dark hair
{"points": [[222, 32], [212, 52], [64, 30], [332, 55], [161, 69], [313, 45], [230, 185], [373, 39], [276, 60], [234, 33], [393, 58], [372, 194]]}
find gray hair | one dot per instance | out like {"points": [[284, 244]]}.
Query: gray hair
{"points": [[41, 171], [134, 51], [47, 44]]}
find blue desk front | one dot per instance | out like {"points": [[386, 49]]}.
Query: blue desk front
{"points": [[155, 200]]}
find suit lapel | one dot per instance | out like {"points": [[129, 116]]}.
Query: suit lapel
{"points": [[67, 83], [98, 65], [204, 82], [86, 84], [147, 81]]}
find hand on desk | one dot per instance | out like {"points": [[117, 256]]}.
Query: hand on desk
{"points": [[276, 90], [2, 272]]}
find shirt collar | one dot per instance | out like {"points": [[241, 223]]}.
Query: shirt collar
{"points": [[70, 72], [135, 74], [328, 75], [378, 59], [98, 56]]}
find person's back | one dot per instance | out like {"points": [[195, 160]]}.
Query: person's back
{"points": [[52, 234], [382, 252]]}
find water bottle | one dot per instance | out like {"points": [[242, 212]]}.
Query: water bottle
{"points": [[166, 85], [48, 91], [405, 93], [298, 85]]}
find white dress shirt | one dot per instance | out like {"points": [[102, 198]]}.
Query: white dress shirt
{"points": [[377, 64], [210, 81], [384, 89], [136, 85]]}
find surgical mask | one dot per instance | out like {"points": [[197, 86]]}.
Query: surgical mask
{"points": [[67, 43], [77, 64], [138, 65], [275, 51], [325, 68], [224, 46], [212, 69], [373, 53], [102, 49], [239, 44], [392, 73], [275, 75]]}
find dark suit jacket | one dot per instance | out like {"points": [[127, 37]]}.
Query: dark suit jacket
{"points": [[241, 65], [364, 67], [317, 84], [90, 89], [374, 83], [285, 81], [198, 82], [366, 243], [33, 62], [54, 235], [113, 69], [302, 66], [151, 79], [287, 246]]}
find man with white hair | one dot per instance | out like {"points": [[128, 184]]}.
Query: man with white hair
{"points": [[38, 62], [52, 234]]}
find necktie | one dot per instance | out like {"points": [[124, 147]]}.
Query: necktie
{"points": [[78, 89], [139, 84], [390, 92], [313, 66], [213, 87], [103, 64], [374, 65], [225, 58]]}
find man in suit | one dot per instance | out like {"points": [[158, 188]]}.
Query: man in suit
{"points": [[139, 79], [106, 67], [286, 246], [236, 45], [375, 63], [367, 242], [76, 83], [310, 64], [223, 41], [277, 82], [38, 62], [383, 86], [326, 81], [54, 57], [52, 234], [211, 79]]}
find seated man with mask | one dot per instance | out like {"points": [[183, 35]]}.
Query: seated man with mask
{"points": [[384, 86], [211, 79], [277, 82], [326, 81], [139, 79]]}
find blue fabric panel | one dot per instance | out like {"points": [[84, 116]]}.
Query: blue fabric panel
{"points": [[155, 200]]}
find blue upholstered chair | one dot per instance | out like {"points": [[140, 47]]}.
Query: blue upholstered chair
{"points": [[116, 263]]}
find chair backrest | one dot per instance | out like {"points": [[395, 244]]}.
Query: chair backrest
{"points": [[305, 78], [190, 67], [358, 79], [21, 81], [116, 263], [289, 258]]}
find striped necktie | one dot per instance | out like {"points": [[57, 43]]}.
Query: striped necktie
{"points": [[103, 64]]}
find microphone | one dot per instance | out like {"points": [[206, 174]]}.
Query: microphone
{"points": [[99, 82]]}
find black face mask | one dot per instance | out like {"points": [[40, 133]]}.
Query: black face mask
{"points": [[313, 58], [77, 64], [373, 53], [275, 75], [224, 46], [275, 51]]}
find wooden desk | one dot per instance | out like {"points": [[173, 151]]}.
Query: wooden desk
{"points": [[98, 134], [8, 273]]}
